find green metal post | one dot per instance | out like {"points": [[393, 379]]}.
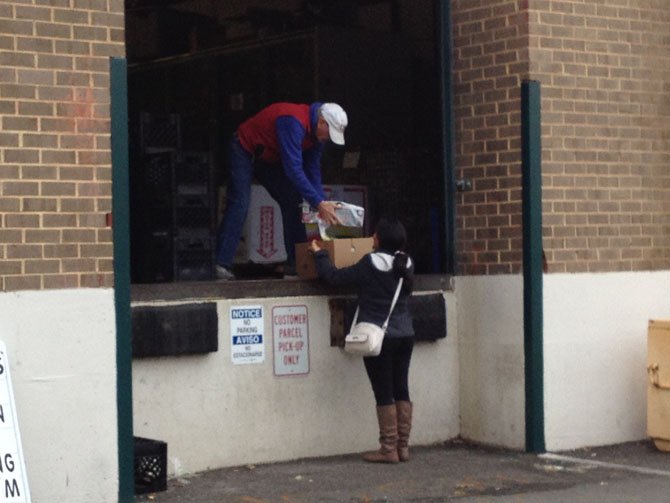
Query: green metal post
{"points": [[121, 236], [448, 130], [531, 139]]}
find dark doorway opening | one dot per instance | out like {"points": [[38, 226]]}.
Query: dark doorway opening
{"points": [[198, 68]]}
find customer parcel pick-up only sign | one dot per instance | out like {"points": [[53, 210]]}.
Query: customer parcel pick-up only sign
{"points": [[291, 340], [246, 332], [13, 480]]}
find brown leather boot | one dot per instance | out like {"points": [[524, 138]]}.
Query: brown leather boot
{"points": [[388, 436], [404, 427]]}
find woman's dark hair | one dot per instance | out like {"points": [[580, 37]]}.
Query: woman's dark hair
{"points": [[391, 235], [392, 238]]}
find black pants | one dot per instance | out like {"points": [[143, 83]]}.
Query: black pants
{"points": [[388, 372]]}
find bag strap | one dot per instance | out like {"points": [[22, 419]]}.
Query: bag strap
{"points": [[395, 299], [393, 302]]}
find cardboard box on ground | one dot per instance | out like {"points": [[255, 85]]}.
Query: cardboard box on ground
{"points": [[658, 385], [343, 252], [262, 240]]}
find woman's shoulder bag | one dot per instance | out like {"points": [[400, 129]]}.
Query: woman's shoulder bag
{"points": [[364, 338]]}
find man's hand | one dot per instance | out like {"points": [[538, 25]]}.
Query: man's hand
{"points": [[327, 212], [314, 246]]}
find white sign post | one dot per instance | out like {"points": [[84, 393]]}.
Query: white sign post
{"points": [[246, 332], [13, 480], [291, 340]]}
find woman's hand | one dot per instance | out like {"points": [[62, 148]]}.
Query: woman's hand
{"points": [[314, 246]]}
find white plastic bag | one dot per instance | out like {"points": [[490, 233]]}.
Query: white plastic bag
{"points": [[351, 222]]}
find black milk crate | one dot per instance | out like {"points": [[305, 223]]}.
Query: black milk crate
{"points": [[150, 465], [201, 271], [191, 237], [192, 167], [194, 265], [152, 256], [194, 216], [159, 131], [195, 242], [156, 178]]}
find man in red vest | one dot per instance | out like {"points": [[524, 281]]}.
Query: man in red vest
{"points": [[281, 147]]}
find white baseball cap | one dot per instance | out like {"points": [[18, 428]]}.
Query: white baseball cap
{"points": [[336, 118]]}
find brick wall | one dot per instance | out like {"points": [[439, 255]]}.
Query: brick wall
{"points": [[603, 68], [55, 171], [606, 104], [490, 60], [605, 74]]}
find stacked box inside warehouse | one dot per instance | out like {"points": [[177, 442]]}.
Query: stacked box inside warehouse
{"points": [[172, 205]]}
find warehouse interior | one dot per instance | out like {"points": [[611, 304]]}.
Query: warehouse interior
{"points": [[198, 68]]}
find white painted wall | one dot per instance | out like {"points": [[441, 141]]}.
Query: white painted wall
{"points": [[213, 413], [62, 353], [595, 346], [595, 351], [491, 359]]}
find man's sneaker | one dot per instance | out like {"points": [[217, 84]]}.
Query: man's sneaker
{"points": [[222, 272]]}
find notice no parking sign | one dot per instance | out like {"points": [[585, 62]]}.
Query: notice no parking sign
{"points": [[246, 332]]}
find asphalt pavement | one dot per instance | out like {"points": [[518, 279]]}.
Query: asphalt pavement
{"points": [[454, 471]]}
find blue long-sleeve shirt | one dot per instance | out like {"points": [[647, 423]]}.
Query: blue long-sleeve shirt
{"points": [[286, 133]]}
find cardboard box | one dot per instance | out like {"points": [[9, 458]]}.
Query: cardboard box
{"points": [[658, 384], [343, 252]]}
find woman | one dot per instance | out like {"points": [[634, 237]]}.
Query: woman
{"points": [[376, 277]]}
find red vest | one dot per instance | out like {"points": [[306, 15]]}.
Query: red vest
{"points": [[260, 130]]}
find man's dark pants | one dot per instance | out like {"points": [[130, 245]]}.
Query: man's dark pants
{"points": [[242, 169]]}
